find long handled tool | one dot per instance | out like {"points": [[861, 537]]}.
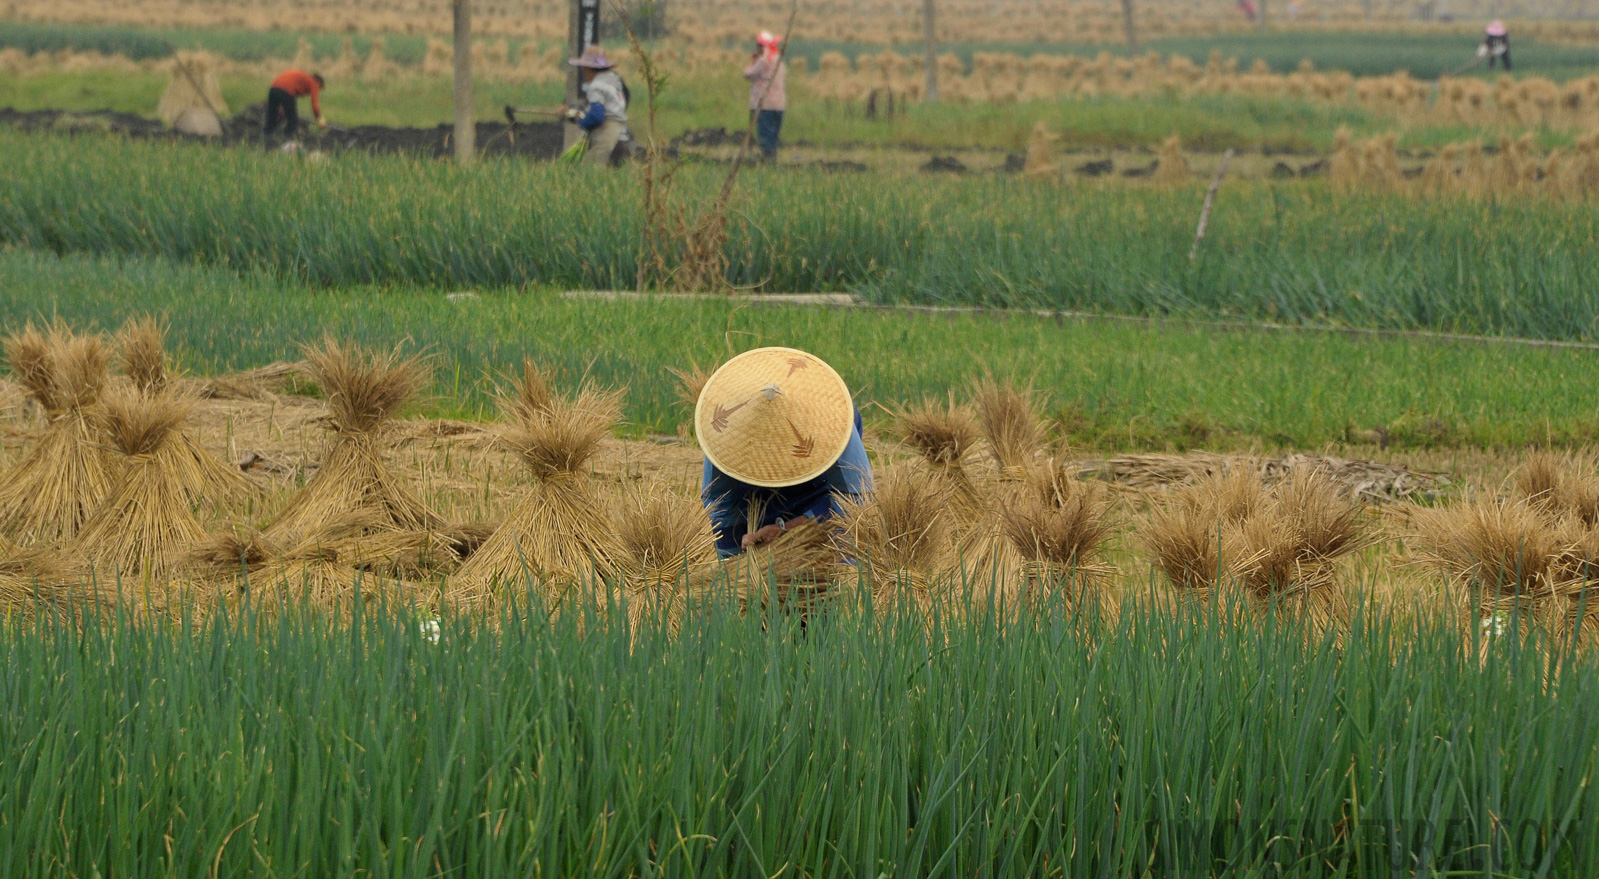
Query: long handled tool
{"points": [[547, 112]]}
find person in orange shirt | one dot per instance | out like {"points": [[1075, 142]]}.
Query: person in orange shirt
{"points": [[283, 100]]}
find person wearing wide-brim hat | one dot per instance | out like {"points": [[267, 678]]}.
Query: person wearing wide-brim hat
{"points": [[777, 426], [604, 114]]}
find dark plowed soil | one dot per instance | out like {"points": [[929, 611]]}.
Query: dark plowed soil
{"points": [[539, 140]]}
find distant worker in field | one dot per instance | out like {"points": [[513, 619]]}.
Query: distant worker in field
{"points": [[283, 101], [768, 76], [1496, 43], [604, 115], [781, 436]]}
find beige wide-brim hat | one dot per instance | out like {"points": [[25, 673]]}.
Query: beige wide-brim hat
{"points": [[774, 417]]}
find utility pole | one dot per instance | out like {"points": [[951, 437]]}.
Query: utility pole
{"points": [[928, 18], [1262, 22], [1132, 32], [465, 127]]}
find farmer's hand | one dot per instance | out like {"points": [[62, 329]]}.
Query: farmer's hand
{"points": [[760, 538]]}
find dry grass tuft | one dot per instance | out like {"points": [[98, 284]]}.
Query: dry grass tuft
{"points": [[667, 551], [560, 534], [146, 524], [1060, 525], [690, 382], [796, 571], [1188, 546], [1011, 424], [901, 535], [65, 473], [144, 354], [364, 390]]}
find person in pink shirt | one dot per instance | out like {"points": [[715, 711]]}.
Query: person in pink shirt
{"points": [[767, 74]]}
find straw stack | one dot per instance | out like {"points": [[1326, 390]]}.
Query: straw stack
{"points": [[66, 472], [668, 552], [1059, 524], [364, 390], [559, 536], [146, 524], [194, 88], [902, 538], [206, 477]]}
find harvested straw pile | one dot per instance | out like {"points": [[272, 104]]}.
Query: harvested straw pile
{"points": [[944, 437], [1011, 424], [33, 584], [364, 390], [1059, 524], [902, 538], [194, 86], [797, 571], [1532, 556], [146, 524], [65, 474], [1281, 547], [1172, 166], [330, 569], [205, 476], [667, 552], [559, 536]]}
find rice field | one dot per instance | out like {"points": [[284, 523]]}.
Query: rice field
{"points": [[1110, 384], [747, 746], [1291, 253]]}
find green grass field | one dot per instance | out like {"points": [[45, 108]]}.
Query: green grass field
{"points": [[1295, 253], [1111, 385], [749, 747]]}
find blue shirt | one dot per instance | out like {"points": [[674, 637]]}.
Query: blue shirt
{"points": [[728, 500]]}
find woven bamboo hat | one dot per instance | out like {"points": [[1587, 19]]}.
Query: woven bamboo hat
{"points": [[774, 417]]}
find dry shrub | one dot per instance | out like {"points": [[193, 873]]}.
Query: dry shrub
{"points": [[690, 382], [146, 524], [667, 551], [902, 538], [1059, 524], [560, 534], [1041, 162], [1010, 422], [66, 472], [364, 389]]}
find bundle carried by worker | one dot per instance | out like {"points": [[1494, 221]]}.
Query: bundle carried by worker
{"points": [[146, 525], [66, 472], [192, 102], [559, 538], [207, 478], [668, 553]]}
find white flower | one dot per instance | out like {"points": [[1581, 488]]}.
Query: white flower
{"points": [[430, 630]]}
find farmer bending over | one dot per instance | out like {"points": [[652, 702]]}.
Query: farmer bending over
{"points": [[605, 117], [778, 427], [283, 100], [768, 75]]}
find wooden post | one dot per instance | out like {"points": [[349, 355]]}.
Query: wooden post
{"points": [[465, 127], [928, 19], [1210, 199], [1132, 32]]}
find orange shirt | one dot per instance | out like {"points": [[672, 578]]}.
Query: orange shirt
{"points": [[299, 84]]}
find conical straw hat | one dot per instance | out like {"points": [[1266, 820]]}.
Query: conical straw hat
{"points": [[774, 417]]}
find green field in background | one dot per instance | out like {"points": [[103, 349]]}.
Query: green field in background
{"points": [[1110, 385]]}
